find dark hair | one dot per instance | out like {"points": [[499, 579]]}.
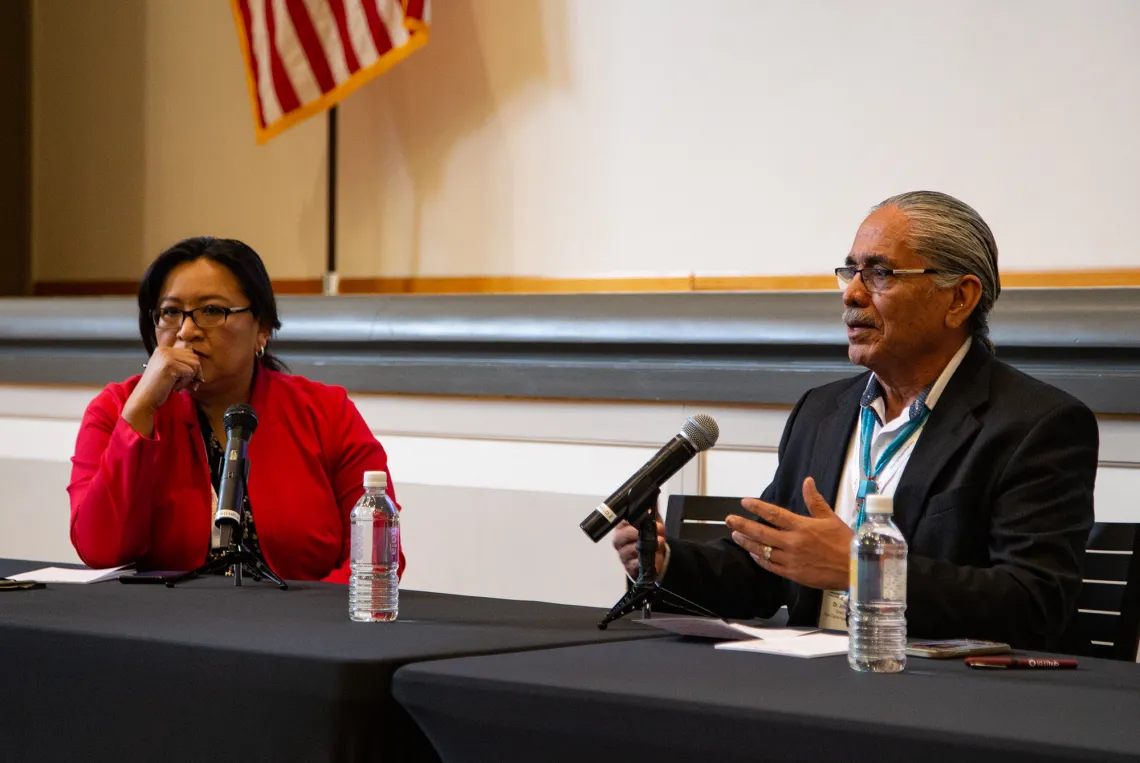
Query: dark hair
{"points": [[236, 257]]}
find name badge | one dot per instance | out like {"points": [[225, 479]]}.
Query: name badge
{"points": [[833, 612]]}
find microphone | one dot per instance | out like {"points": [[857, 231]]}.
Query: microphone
{"points": [[698, 433], [240, 423]]}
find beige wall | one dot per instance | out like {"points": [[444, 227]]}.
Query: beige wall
{"points": [[594, 138], [87, 139], [663, 137], [143, 135]]}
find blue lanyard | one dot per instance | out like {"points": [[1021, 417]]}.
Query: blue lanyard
{"points": [[868, 484]]}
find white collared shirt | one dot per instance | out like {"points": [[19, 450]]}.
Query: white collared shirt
{"points": [[832, 611], [881, 436]]}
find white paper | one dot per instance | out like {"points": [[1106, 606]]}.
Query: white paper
{"points": [[707, 627], [63, 575], [810, 645], [772, 633]]}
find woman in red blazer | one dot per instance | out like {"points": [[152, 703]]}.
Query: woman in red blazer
{"points": [[147, 462]]}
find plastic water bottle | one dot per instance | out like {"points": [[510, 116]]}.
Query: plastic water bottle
{"points": [[877, 600], [374, 587]]}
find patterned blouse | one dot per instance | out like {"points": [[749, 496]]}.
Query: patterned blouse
{"points": [[215, 457]]}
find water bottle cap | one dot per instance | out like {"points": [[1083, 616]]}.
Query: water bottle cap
{"points": [[880, 504], [376, 479]]}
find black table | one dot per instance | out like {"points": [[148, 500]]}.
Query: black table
{"points": [[207, 671], [678, 700]]}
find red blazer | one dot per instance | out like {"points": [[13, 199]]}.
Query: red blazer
{"points": [[148, 500]]}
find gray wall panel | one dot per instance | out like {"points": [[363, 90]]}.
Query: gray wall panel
{"points": [[707, 347]]}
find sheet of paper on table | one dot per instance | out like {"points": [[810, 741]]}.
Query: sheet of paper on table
{"points": [[809, 645], [707, 627], [64, 575]]}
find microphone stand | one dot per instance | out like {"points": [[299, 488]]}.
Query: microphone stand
{"points": [[238, 558], [240, 422], [646, 591]]}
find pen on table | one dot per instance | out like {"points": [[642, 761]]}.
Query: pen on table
{"points": [[1019, 662]]}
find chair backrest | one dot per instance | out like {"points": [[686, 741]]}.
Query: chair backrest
{"points": [[1107, 621], [700, 518]]}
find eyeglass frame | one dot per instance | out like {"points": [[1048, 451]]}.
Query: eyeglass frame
{"points": [[883, 272], [156, 315]]}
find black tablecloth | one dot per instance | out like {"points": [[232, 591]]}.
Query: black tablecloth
{"points": [[679, 700], [207, 671]]}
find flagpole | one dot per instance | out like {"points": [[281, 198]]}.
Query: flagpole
{"points": [[330, 284]]}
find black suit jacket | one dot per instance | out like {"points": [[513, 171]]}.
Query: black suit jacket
{"points": [[996, 504]]}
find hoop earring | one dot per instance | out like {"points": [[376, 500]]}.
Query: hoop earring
{"points": [[260, 352]]}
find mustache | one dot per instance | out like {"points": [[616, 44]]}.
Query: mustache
{"points": [[853, 316]]}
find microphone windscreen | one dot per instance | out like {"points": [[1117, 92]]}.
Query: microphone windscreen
{"points": [[240, 415], [701, 430]]}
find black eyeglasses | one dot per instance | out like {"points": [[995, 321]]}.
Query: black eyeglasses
{"points": [[876, 278], [204, 317]]}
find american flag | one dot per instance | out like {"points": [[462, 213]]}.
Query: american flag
{"points": [[303, 56]]}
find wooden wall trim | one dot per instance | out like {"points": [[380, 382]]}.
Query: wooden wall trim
{"points": [[533, 285], [1073, 279], [513, 285]]}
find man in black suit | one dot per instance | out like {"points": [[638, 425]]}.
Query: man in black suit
{"points": [[992, 472]]}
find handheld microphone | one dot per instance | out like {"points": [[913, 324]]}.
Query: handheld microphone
{"points": [[240, 423], [698, 433]]}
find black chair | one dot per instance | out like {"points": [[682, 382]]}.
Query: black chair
{"points": [[1107, 621], [700, 518]]}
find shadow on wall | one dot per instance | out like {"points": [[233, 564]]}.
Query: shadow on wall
{"points": [[88, 127], [15, 147], [205, 172], [439, 110]]}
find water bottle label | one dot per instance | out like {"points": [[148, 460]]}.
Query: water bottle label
{"points": [[392, 545], [362, 544], [885, 581], [378, 543], [894, 581]]}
